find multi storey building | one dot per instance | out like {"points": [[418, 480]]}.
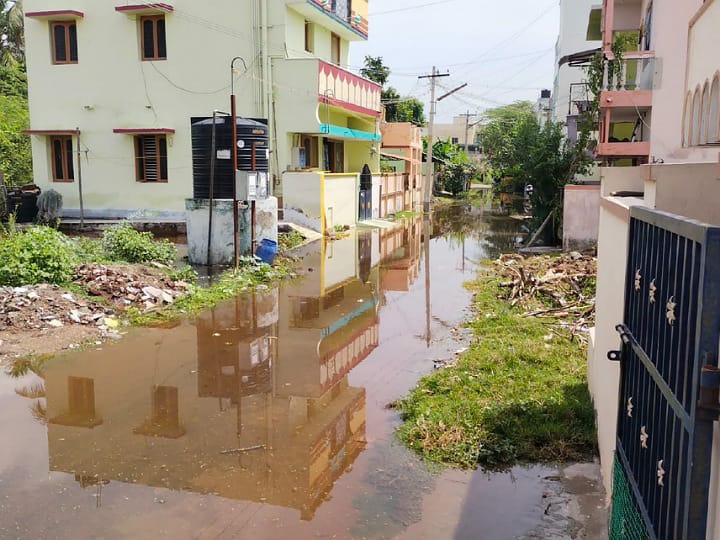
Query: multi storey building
{"points": [[113, 90]]}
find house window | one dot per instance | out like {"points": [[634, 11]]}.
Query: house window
{"points": [[61, 154], [310, 144], [309, 34], [64, 42], [335, 48], [151, 158], [152, 38], [334, 156], [455, 140]]}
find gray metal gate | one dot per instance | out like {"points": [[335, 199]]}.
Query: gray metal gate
{"points": [[668, 378]]}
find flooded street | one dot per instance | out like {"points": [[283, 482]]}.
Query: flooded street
{"points": [[267, 417]]}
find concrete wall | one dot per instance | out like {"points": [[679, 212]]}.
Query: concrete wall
{"points": [[581, 216], [302, 200], [669, 40], [691, 190], [604, 375], [341, 199]]}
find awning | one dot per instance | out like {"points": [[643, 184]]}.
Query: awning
{"points": [[579, 59], [56, 15], [145, 9], [51, 131], [144, 131], [395, 156], [342, 132]]}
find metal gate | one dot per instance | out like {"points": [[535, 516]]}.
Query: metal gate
{"points": [[668, 378]]}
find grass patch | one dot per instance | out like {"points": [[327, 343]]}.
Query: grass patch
{"points": [[290, 240], [519, 394], [249, 275]]}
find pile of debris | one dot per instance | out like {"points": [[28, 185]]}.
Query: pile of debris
{"points": [[124, 286], [49, 306], [561, 288]]}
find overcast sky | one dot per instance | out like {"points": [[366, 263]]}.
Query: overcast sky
{"points": [[504, 50]]}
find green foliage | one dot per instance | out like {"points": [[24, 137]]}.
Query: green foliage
{"points": [[522, 152], [185, 273], [402, 109], [123, 243], [515, 396], [15, 156], [455, 176], [13, 82], [12, 33], [37, 255], [375, 70], [290, 240], [250, 274]]}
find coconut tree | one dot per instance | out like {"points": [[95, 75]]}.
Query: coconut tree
{"points": [[12, 33]]}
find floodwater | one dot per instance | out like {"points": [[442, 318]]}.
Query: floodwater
{"points": [[266, 417]]}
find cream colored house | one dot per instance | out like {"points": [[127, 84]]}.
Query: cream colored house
{"points": [[678, 108], [113, 89], [463, 130]]}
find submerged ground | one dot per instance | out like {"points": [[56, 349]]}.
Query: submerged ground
{"points": [[266, 417]]}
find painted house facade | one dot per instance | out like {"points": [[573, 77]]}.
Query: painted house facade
{"points": [[676, 171], [113, 89]]}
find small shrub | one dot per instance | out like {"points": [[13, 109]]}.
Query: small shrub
{"points": [[88, 250], [38, 255], [123, 243]]}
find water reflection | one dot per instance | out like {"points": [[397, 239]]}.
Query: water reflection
{"points": [[264, 399], [251, 400]]}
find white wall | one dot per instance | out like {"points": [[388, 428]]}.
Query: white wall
{"points": [[301, 199], [574, 17], [341, 199], [604, 375]]}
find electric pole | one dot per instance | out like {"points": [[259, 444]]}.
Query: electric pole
{"points": [[429, 157], [467, 116]]}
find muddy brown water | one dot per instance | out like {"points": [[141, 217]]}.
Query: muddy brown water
{"points": [[266, 417]]}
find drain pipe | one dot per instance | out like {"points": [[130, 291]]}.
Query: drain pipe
{"points": [[80, 190], [213, 155]]}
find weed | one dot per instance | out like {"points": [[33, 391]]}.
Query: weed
{"points": [[289, 240], [123, 243], [37, 255], [26, 364], [514, 396]]}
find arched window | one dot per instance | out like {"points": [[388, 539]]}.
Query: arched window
{"points": [[695, 126], [704, 113], [713, 131], [687, 120]]}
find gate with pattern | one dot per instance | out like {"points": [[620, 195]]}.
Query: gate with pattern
{"points": [[668, 378]]}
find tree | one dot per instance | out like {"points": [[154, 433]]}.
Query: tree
{"points": [[375, 70], [521, 152], [397, 108], [15, 157], [12, 33]]}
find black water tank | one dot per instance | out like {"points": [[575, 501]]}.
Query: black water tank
{"points": [[252, 153]]}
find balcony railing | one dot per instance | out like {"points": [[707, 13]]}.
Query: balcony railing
{"points": [[352, 13], [636, 71], [340, 87]]}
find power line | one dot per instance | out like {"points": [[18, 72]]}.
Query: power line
{"points": [[410, 8]]}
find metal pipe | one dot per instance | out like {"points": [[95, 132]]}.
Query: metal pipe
{"points": [[234, 155], [213, 155], [80, 191]]}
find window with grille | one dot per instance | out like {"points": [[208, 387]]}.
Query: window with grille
{"points": [[152, 38], [151, 158], [61, 155], [64, 42]]}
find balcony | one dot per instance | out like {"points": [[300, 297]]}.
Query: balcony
{"points": [[629, 82], [624, 134], [346, 18]]}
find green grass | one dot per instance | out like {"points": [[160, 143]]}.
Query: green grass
{"points": [[229, 284], [290, 240], [518, 395]]}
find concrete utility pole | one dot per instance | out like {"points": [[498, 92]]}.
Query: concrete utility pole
{"points": [[467, 116], [429, 156]]}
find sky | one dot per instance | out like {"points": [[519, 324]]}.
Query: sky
{"points": [[504, 50]]}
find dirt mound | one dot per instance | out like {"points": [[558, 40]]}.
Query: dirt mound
{"points": [[128, 285], [47, 306]]}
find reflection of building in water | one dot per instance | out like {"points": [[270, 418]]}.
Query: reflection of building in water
{"points": [[250, 402], [400, 254]]}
